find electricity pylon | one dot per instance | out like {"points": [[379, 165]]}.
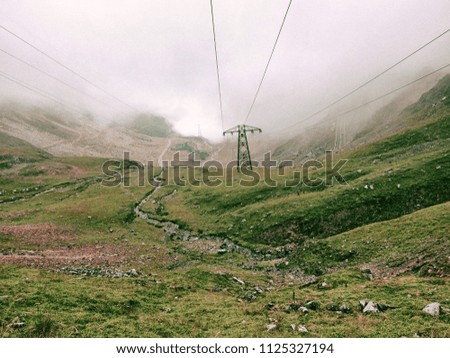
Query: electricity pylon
{"points": [[243, 151]]}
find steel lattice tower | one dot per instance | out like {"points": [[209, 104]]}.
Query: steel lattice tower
{"points": [[243, 151]]}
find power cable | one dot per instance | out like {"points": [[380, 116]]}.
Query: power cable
{"points": [[367, 82], [52, 77], [40, 92], [66, 67], [217, 63], [268, 62]]}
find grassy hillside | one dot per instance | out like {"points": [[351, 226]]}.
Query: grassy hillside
{"points": [[151, 125], [75, 260], [407, 171], [366, 126], [14, 151]]}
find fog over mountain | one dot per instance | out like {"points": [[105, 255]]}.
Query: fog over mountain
{"points": [[158, 56]]}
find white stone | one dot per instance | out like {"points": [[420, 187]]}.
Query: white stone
{"points": [[432, 309], [371, 307]]}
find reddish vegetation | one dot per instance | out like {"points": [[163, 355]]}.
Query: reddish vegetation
{"points": [[35, 234], [14, 214], [42, 237], [91, 255]]}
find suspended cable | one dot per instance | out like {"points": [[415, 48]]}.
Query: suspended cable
{"points": [[368, 81], [383, 95], [391, 92], [66, 67], [53, 77], [40, 92], [217, 63], [268, 62]]}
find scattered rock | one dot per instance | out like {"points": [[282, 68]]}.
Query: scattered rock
{"points": [[238, 280], [98, 272], [371, 307], [366, 273], [271, 327], [324, 286], [293, 326], [345, 308], [433, 309], [312, 305], [303, 309], [302, 329], [258, 289], [18, 324], [332, 306], [133, 273], [290, 307]]}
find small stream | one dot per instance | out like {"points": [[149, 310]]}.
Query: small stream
{"points": [[173, 230]]}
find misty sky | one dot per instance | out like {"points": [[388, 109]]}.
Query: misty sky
{"points": [[158, 55]]}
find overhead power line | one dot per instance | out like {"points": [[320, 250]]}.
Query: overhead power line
{"points": [[52, 77], [217, 63], [391, 92], [66, 67], [368, 81], [383, 95], [40, 92], [268, 62]]}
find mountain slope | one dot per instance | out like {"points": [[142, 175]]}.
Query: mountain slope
{"points": [[64, 134], [14, 151], [389, 178], [80, 259], [359, 128]]}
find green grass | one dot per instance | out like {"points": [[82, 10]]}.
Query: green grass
{"points": [[186, 147], [304, 237], [99, 307], [151, 125], [417, 241], [408, 172]]}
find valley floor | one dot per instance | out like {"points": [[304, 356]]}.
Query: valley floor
{"points": [[360, 258], [76, 262]]}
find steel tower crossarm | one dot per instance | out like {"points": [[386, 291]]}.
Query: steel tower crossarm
{"points": [[243, 152]]}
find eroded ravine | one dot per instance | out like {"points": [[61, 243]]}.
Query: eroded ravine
{"points": [[173, 231]]}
